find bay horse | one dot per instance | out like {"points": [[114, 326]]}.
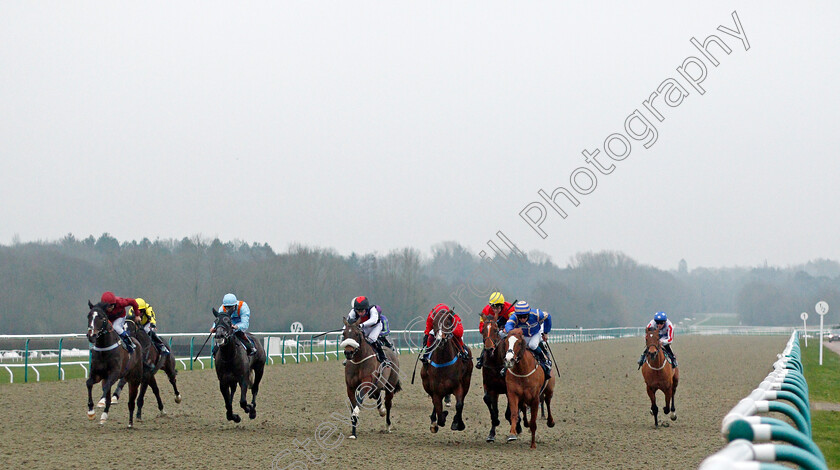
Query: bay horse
{"points": [[446, 372], [111, 362], [659, 374], [493, 381], [234, 367], [366, 378], [526, 383], [152, 362]]}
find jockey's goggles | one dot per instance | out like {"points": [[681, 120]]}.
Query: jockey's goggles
{"points": [[497, 305], [359, 310], [660, 322]]}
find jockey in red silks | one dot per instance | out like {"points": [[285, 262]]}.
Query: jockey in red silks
{"points": [[456, 327], [115, 310]]}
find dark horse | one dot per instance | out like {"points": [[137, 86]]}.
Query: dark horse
{"points": [[659, 374], [365, 377], [110, 362], [525, 381], [153, 361], [446, 372], [494, 381], [234, 367]]}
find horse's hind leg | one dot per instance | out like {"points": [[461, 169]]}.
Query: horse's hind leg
{"points": [[156, 391], [676, 381], [438, 417], [547, 396], [255, 388], [515, 427], [653, 409], [533, 424], [172, 372], [389, 397], [140, 397], [243, 396], [132, 395]]}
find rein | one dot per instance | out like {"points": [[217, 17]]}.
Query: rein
{"points": [[665, 360], [526, 375]]}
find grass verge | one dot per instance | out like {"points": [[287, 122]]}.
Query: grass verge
{"points": [[824, 385]]}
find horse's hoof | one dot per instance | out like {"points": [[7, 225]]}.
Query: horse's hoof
{"points": [[252, 414], [550, 423], [382, 412], [665, 424], [651, 413], [512, 438], [236, 419], [433, 428], [101, 403], [178, 398], [491, 438], [139, 420], [103, 418], [115, 399], [448, 404], [352, 436], [91, 414], [131, 425], [674, 417]]}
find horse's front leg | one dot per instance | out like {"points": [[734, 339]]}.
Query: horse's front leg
{"points": [[243, 395], [226, 393], [89, 383], [140, 396], [513, 404], [153, 384], [457, 421], [389, 396], [132, 395], [491, 399], [438, 416], [651, 391], [106, 392], [354, 411], [667, 409], [535, 406]]}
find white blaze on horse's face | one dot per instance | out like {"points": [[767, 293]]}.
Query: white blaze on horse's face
{"points": [[92, 319], [511, 342]]}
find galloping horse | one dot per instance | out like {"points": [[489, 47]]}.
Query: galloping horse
{"points": [[365, 377], [153, 362], [659, 375], [494, 382], [525, 381], [446, 372], [110, 362], [234, 367]]}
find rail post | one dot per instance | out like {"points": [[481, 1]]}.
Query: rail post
{"points": [[26, 362], [60, 340], [297, 349], [192, 341], [283, 351]]}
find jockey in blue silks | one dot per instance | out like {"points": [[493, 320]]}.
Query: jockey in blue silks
{"points": [[535, 325], [240, 316]]}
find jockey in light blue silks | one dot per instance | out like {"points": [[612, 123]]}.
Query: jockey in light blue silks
{"points": [[535, 325], [240, 316]]}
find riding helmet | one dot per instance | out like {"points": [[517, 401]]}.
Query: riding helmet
{"points": [[229, 300], [109, 298], [360, 303], [660, 317], [522, 308], [496, 298]]}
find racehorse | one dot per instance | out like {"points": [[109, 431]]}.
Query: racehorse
{"points": [[110, 362], [153, 361], [659, 374], [365, 377], [525, 382], [446, 372], [234, 367], [494, 382]]}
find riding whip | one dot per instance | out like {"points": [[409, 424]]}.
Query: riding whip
{"points": [[552, 357], [202, 347]]}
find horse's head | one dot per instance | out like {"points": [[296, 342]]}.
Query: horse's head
{"points": [[443, 322], [352, 339], [98, 323], [515, 346], [652, 344], [490, 334], [224, 328]]}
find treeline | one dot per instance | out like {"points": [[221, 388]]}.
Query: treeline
{"points": [[45, 286]]}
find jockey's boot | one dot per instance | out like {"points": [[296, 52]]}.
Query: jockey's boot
{"points": [[380, 354], [243, 338], [480, 362], [127, 341], [386, 342], [544, 361], [673, 359], [161, 347], [641, 360], [424, 356]]}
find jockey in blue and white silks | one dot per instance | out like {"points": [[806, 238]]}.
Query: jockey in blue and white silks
{"points": [[666, 336], [535, 325]]}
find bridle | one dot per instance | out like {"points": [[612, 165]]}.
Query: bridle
{"points": [[652, 355], [486, 338], [224, 329], [102, 328]]}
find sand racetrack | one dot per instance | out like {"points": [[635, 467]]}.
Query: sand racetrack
{"points": [[600, 407]]}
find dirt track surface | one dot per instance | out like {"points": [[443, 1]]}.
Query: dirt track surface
{"points": [[600, 406]]}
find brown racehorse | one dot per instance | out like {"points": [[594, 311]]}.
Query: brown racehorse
{"points": [[525, 381], [447, 372], [659, 375], [153, 361], [110, 362], [365, 377], [494, 382]]}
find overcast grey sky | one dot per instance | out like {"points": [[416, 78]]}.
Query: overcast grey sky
{"points": [[368, 126]]}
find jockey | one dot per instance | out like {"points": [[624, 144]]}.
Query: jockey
{"points": [[666, 336], [115, 310], [535, 325], [496, 307], [371, 324], [240, 316], [145, 317], [457, 330]]}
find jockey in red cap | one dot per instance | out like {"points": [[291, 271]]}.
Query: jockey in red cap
{"points": [[457, 330], [115, 310]]}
